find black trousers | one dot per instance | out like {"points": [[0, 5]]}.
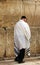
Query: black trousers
{"points": [[20, 56]]}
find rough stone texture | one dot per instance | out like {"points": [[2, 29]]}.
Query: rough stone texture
{"points": [[10, 13], [34, 40], [10, 43], [2, 42], [32, 11]]}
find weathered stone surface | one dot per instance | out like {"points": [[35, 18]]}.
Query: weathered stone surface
{"points": [[11, 11], [33, 41], [38, 41], [2, 42], [10, 43], [32, 11]]}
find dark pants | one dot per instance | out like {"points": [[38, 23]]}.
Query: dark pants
{"points": [[20, 56]]}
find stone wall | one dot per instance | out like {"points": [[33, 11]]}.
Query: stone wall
{"points": [[10, 13]]}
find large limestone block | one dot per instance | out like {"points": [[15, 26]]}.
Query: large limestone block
{"points": [[9, 20], [32, 11], [10, 13], [2, 42], [33, 45], [38, 41], [10, 43]]}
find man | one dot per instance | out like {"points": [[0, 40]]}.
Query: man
{"points": [[22, 37]]}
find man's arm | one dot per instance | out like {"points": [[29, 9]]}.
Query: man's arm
{"points": [[27, 32]]}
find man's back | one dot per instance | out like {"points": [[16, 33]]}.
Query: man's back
{"points": [[21, 34]]}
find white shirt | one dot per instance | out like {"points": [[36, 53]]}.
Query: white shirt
{"points": [[22, 35]]}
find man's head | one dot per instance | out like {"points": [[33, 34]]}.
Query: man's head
{"points": [[24, 18]]}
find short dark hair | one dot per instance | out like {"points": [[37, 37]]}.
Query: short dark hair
{"points": [[23, 17]]}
